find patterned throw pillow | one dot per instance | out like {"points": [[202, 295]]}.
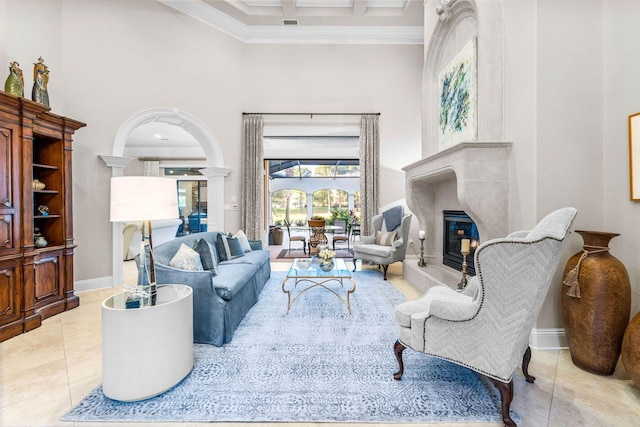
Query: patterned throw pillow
{"points": [[228, 247], [386, 238], [208, 256], [186, 259], [244, 241]]}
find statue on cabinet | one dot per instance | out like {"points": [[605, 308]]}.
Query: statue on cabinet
{"points": [[15, 82], [40, 82]]}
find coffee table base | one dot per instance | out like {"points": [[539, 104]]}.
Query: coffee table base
{"points": [[320, 283]]}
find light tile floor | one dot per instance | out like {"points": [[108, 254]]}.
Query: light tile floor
{"points": [[47, 371]]}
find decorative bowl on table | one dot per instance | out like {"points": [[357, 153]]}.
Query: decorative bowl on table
{"points": [[303, 263]]}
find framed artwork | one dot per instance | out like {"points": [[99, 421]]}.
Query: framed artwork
{"points": [[634, 156], [458, 90]]}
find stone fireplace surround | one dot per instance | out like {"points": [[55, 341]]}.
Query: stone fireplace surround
{"points": [[470, 176]]}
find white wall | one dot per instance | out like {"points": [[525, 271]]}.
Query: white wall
{"points": [[621, 99], [569, 130], [112, 59]]}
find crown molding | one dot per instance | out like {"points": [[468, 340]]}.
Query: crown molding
{"points": [[257, 34]]}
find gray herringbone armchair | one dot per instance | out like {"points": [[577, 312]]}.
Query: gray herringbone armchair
{"points": [[486, 327]]}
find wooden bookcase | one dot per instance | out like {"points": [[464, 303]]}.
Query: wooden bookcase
{"points": [[35, 282]]}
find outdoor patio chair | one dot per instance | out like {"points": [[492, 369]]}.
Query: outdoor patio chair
{"points": [[297, 238], [341, 234]]}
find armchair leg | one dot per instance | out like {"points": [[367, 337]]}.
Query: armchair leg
{"points": [[384, 268], [506, 395], [525, 366], [398, 348], [354, 264]]}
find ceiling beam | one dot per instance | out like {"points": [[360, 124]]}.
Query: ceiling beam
{"points": [[359, 7], [289, 9]]}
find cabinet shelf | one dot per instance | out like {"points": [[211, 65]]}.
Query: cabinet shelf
{"points": [[50, 216], [41, 166], [46, 191]]}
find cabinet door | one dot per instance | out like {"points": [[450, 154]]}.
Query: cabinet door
{"points": [[48, 276], [10, 292], [8, 224]]}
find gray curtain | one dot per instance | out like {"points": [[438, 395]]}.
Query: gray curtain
{"points": [[252, 206], [369, 170]]}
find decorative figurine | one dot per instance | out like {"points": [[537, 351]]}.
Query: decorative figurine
{"points": [[44, 210], [38, 239], [15, 82], [40, 81], [38, 185]]}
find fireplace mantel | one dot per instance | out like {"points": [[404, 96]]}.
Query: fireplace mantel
{"points": [[470, 176]]}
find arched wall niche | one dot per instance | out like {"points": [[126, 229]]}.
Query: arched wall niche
{"points": [[214, 171], [467, 19]]}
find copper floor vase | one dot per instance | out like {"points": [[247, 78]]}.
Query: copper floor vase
{"points": [[596, 303]]}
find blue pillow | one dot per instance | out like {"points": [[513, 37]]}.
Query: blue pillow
{"points": [[208, 256], [228, 247], [393, 217]]}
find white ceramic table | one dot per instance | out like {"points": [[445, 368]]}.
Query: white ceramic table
{"points": [[146, 351]]}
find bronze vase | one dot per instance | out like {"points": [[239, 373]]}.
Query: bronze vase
{"points": [[631, 349], [596, 303]]}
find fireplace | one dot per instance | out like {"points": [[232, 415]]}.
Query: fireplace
{"points": [[457, 225], [472, 177]]}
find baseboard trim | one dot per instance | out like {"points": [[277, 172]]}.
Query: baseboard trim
{"points": [[548, 339], [92, 284]]}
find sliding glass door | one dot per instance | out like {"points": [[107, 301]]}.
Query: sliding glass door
{"points": [[192, 202]]}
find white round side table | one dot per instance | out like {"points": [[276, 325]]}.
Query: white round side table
{"points": [[146, 351]]}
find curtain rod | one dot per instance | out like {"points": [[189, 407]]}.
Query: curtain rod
{"points": [[314, 114]]}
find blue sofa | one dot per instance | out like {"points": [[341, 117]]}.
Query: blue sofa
{"points": [[219, 302]]}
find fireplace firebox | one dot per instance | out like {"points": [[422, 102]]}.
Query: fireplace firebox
{"points": [[457, 226]]}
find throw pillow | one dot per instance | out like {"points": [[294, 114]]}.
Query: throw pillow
{"points": [[228, 247], [244, 241], [186, 259], [208, 256], [393, 217], [386, 238]]}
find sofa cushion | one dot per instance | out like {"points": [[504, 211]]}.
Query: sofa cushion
{"points": [[228, 247], [208, 255], [256, 258], [232, 278], [186, 259], [244, 241], [386, 238]]}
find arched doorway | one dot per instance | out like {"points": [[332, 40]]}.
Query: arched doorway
{"points": [[214, 170]]}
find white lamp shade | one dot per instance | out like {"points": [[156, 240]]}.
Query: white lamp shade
{"points": [[143, 198]]}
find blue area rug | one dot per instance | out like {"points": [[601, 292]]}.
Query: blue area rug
{"points": [[315, 364]]}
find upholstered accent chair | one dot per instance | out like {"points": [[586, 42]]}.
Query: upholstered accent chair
{"points": [[292, 239], [486, 326], [384, 247]]}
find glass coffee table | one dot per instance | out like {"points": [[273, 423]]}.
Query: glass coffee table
{"points": [[309, 275]]}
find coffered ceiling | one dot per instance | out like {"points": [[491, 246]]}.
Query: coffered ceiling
{"points": [[311, 21]]}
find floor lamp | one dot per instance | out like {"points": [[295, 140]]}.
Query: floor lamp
{"points": [[144, 199]]}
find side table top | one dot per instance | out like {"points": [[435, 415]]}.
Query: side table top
{"points": [[166, 294]]}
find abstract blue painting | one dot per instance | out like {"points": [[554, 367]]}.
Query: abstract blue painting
{"points": [[458, 91]]}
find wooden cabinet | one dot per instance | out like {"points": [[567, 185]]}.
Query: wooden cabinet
{"points": [[11, 318], [36, 281]]}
